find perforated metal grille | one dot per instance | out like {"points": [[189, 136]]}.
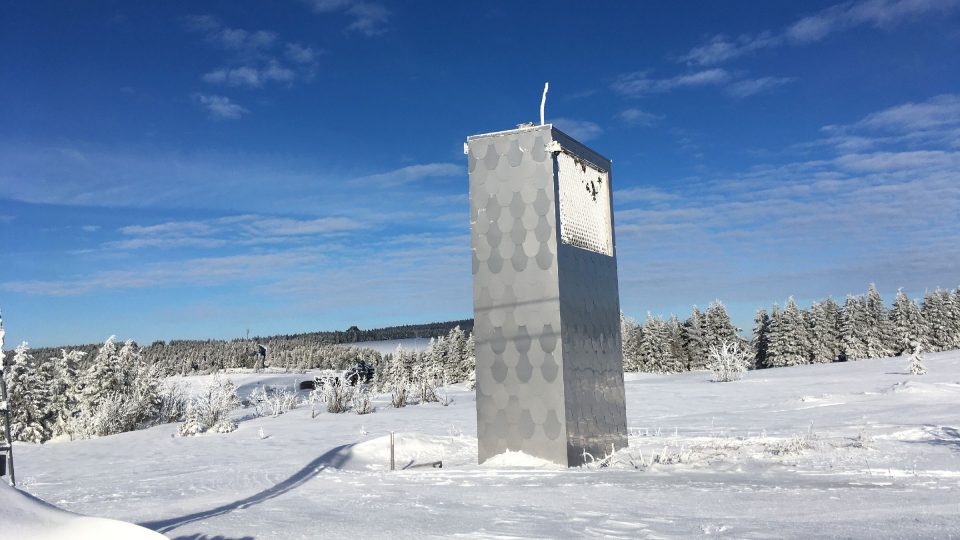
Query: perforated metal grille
{"points": [[584, 205]]}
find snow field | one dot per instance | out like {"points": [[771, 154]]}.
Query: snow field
{"points": [[860, 449]]}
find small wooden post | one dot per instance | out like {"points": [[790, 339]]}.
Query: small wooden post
{"points": [[392, 462]]}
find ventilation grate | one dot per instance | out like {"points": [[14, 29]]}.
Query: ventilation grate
{"points": [[584, 205]]}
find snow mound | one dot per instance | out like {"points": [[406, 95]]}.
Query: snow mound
{"points": [[410, 450], [915, 387], [29, 518], [519, 459]]}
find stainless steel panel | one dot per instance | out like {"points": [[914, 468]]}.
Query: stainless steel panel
{"points": [[549, 376]]}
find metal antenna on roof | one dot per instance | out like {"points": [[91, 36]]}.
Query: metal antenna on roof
{"points": [[543, 101]]}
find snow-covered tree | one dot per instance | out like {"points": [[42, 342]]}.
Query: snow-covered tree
{"points": [[853, 329], [880, 336], [825, 331], [909, 328], [64, 389], [779, 342], [654, 351], [630, 343], [718, 327], [456, 356], [678, 356], [941, 311], [789, 340], [426, 376], [118, 393], [397, 379], [761, 338], [469, 367], [916, 361], [693, 340], [103, 377], [25, 398]]}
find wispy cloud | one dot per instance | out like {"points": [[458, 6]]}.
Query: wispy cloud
{"points": [[367, 18], [410, 174], [201, 271], [637, 117], [582, 130], [934, 121], [250, 77], [240, 230], [220, 107], [816, 27], [749, 87], [254, 58], [640, 83]]}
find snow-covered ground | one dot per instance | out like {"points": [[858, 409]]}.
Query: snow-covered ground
{"points": [[24, 516], [859, 450]]}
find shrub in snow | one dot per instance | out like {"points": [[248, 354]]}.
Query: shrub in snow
{"points": [[173, 403], [336, 396], [315, 397], [210, 410], [273, 401], [398, 396], [360, 400], [426, 379], [862, 440], [794, 445], [727, 361], [281, 400]]}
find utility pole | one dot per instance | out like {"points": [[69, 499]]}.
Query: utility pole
{"points": [[6, 446]]}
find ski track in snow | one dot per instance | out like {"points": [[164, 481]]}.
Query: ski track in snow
{"points": [[858, 450]]}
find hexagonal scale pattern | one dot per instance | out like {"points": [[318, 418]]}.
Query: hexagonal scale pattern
{"points": [[546, 314]]}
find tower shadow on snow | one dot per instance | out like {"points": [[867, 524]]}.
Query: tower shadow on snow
{"points": [[333, 458]]}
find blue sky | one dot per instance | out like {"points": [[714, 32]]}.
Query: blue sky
{"points": [[193, 170]]}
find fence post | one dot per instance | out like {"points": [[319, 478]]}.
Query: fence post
{"points": [[392, 463]]}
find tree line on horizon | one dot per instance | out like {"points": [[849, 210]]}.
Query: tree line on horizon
{"points": [[311, 350], [862, 327]]}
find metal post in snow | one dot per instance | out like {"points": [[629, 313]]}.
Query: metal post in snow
{"points": [[392, 463]]}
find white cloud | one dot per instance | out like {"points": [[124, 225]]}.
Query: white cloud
{"points": [[233, 39], [245, 229], [636, 117], [250, 77], [748, 87], [220, 106], [816, 27], [810, 228], [252, 59], [202, 271], [582, 130], [644, 194], [935, 121], [638, 83], [301, 54], [368, 18], [937, 112], [411, 174]]}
